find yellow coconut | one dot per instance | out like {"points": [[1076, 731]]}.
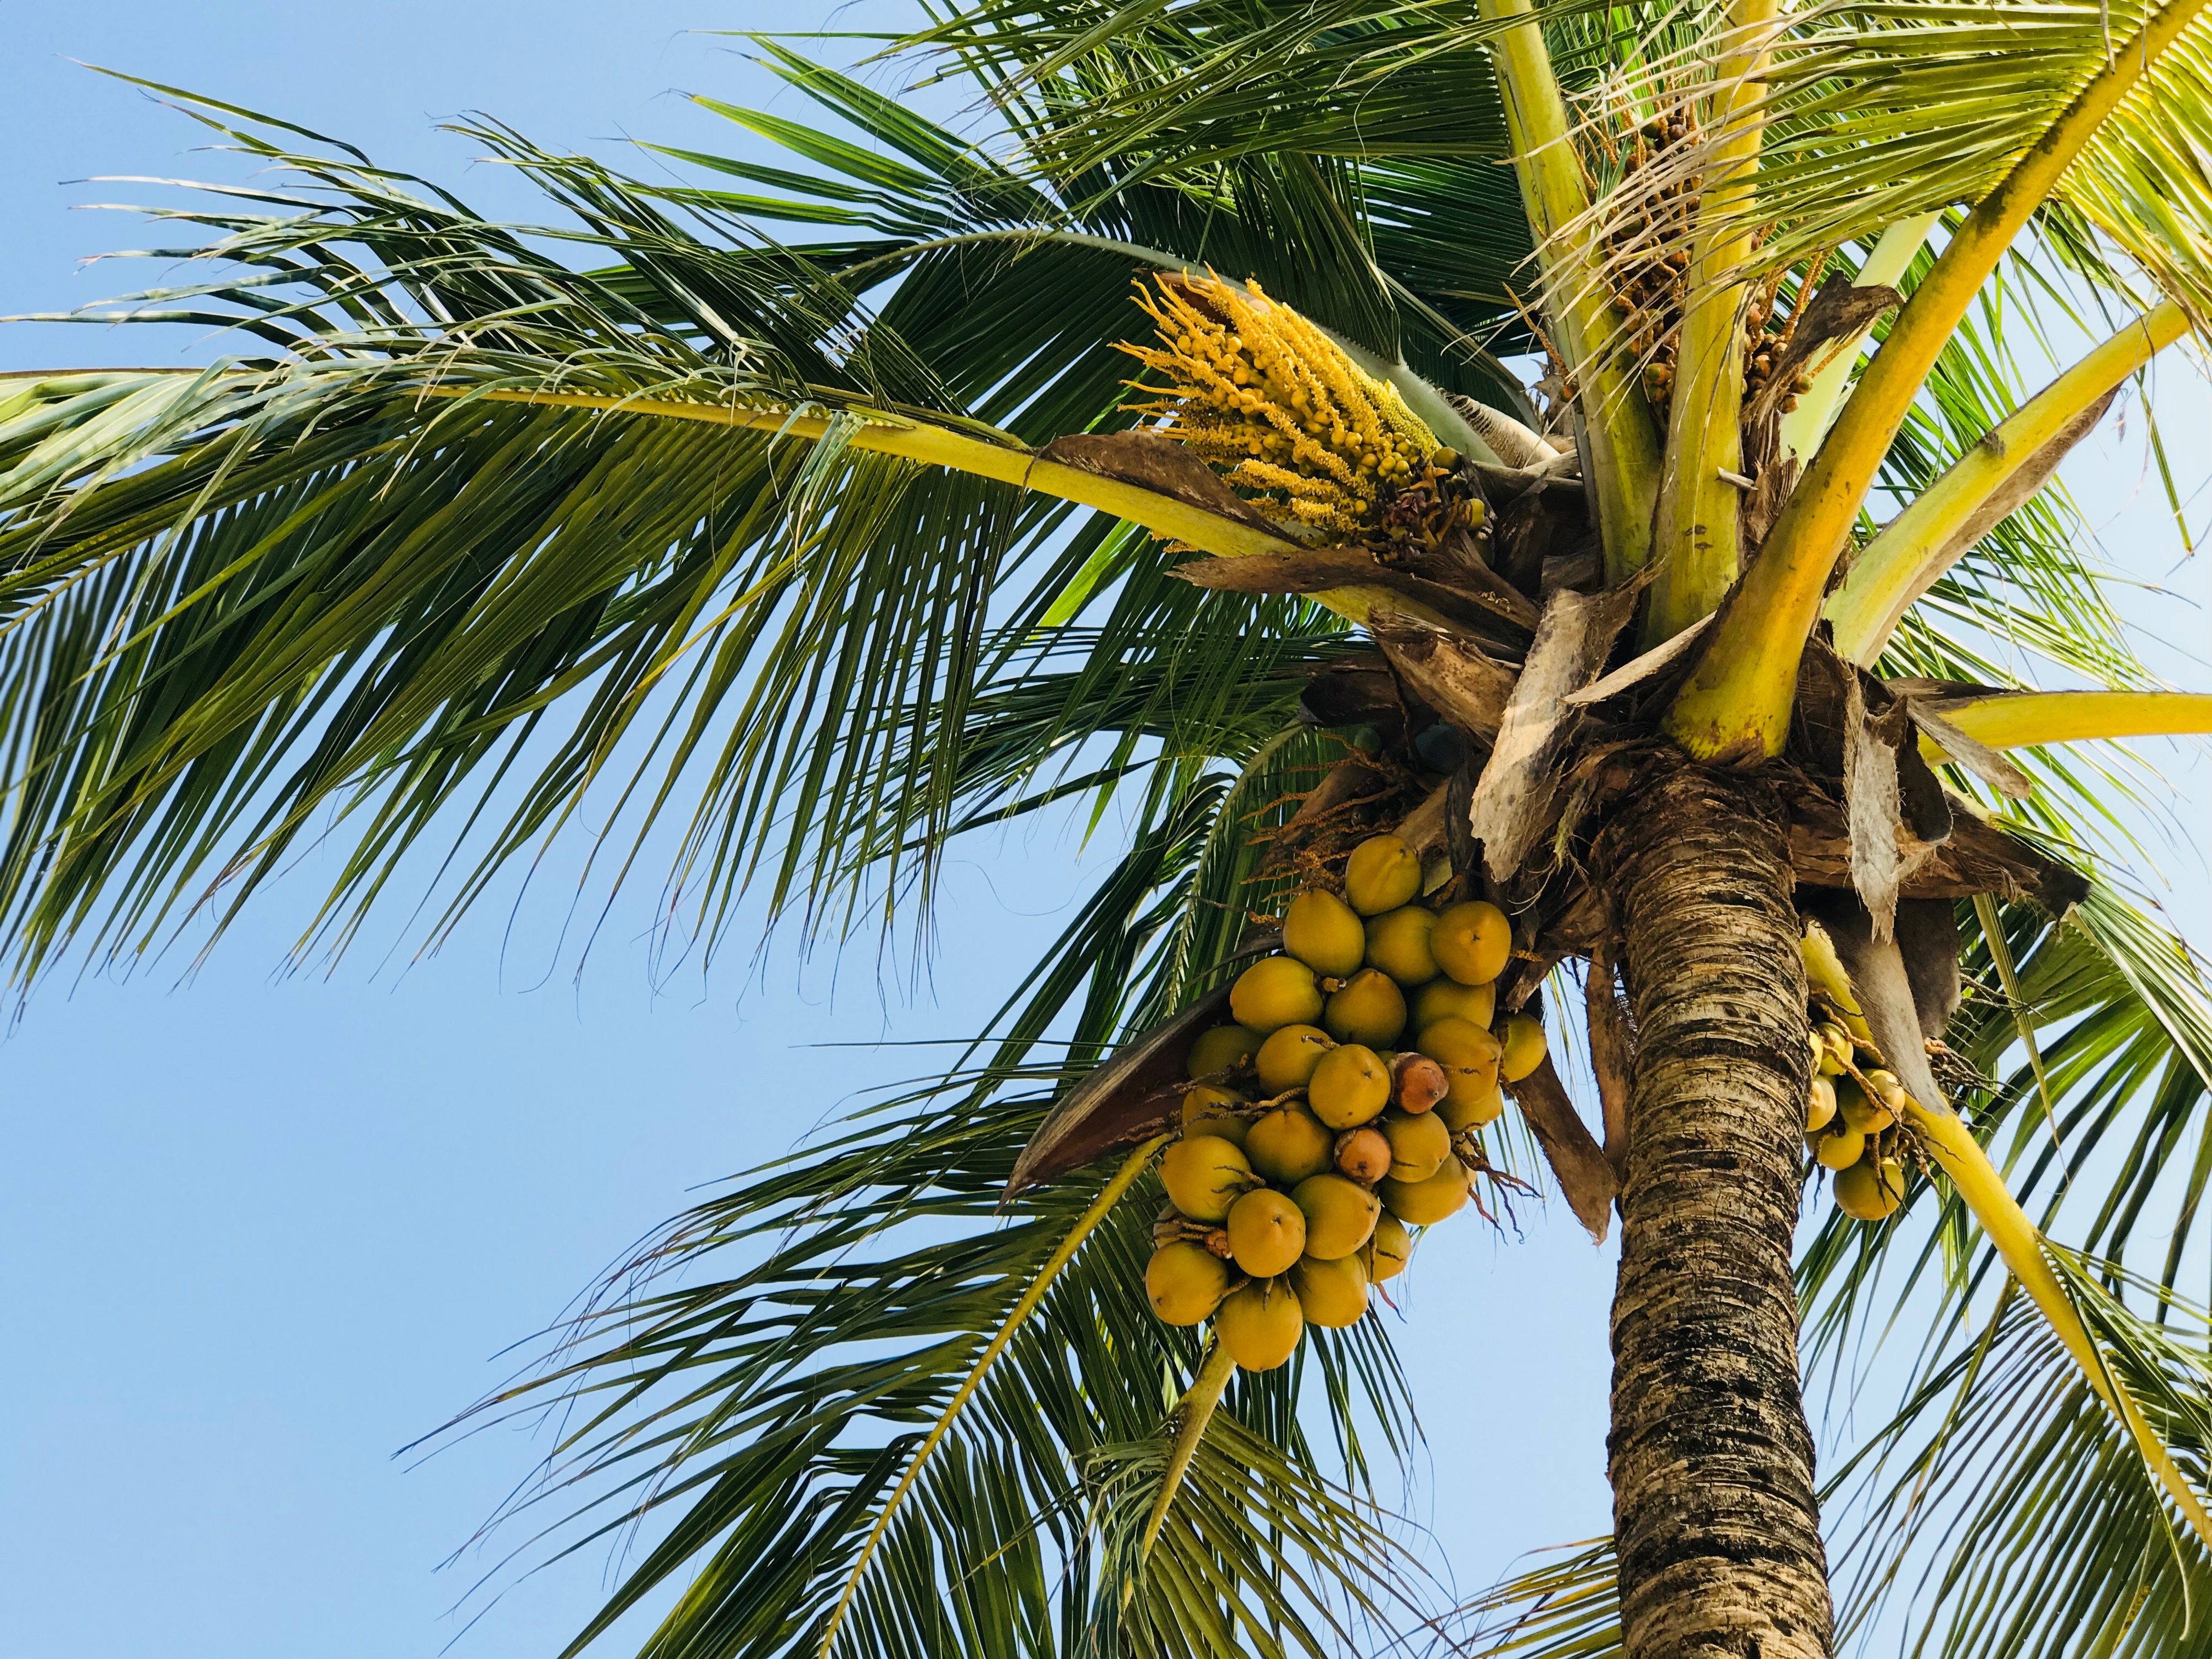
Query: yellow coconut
{"points": [[1472, 942], [1523, 1041], [1889, 1091], [1819, 1105], [1447, 999], [1267, 1232], [1470, 1058], [1185, 1282], [1260, 1325], [1287, 1145], [1224, 1049], [1424, 1203], [1348, 1086], [1839, 1147], [1418, 1145], [1398, 944], [1339, 1215], [1836, 1043], [1332, 1294], [1288, 1057], [1871, 1189], [1275, 992], [1472, 1108], [1866, 1114], [1204, 1176], [1388, 1250], [1369, 1009], [1382, 874], [1324, 932], [1208, 1110]]}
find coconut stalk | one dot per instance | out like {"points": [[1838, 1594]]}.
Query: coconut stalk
{"points": [[884, 432], [1188, 1420], [2020, 1245], [2014, 720]]}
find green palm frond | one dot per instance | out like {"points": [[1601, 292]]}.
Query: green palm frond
{"points": [[545, 600], [730, 1403], [361, 588], [1333, 235], [2003, 1511], [1094, 85], [2039, 1530], [1330, 1576], [1565, 1606], [758, 1417], [1872, 114], [1344, 193], [439, 576]]}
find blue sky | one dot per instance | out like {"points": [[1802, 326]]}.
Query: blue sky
{"points": [[262, 1230]]}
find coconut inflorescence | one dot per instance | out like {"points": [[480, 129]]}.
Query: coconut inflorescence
{"points": [[1341, 1110], [1277, 408]]}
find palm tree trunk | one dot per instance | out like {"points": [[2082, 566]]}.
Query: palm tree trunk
{"points": [[1714, 1513]]}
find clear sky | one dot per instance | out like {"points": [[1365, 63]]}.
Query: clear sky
{"points": [[260, 1231]]}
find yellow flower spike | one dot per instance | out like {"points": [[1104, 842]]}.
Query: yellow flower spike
{"points": [[1258, 392]]}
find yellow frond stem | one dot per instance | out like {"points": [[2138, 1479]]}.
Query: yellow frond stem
{"points": [[1887, 262], [1124, 1178], [1620, 436], [1735, 705], [2016, 1239], [1923, 541], [2012, 720], [1695, 544]]}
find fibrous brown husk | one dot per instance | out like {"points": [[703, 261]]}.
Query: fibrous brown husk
{"points": [[1515, 798], [1451, 672], [1323, 569]]}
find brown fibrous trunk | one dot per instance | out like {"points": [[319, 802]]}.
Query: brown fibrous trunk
{"points": [[1716, 1516]]}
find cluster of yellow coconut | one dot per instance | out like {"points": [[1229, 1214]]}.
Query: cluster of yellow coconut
{"points": [[1261, 394], [1310, 1140], [1854, 1119]]}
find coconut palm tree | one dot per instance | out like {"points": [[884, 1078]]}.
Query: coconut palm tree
{"points": [[809, 508]]}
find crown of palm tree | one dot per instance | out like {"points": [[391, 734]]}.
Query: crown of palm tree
{"points": [[825, 541]]}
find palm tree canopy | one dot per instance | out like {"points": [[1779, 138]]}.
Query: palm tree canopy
{"points": [[730, 499]]}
